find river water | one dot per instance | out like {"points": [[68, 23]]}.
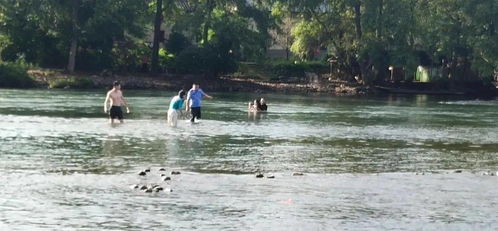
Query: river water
{"points": [[376, 163]]}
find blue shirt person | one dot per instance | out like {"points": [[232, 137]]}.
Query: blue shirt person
{"points": [[175, 107], [176, 103], [194, 98]]}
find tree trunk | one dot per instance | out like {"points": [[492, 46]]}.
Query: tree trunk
{"points": [[287, 50], [380, 19], [411, 39], [364, 64], [207, 23], [157, 36], [357, 19], [74, 39]]}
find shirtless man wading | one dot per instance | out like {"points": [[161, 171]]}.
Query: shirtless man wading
{"points": [[116, 97]]}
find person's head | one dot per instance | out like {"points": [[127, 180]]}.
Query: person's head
{"points": [[195, 86], [256, 102], [262, 101], [116, 85], [181, 94]]}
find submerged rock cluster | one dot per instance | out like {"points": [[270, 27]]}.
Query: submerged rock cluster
{"points": [[490, 173], [271, 176], [154, 187], [151, 188]]}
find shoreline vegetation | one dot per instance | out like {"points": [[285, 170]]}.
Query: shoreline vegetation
{"points": [[59, 79], [22, 76], [303, 47]]}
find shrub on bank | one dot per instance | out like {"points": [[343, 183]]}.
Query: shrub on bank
{"points": [[288, 68], [166, 60], [204, 60], [71, 82], [15, 75]]}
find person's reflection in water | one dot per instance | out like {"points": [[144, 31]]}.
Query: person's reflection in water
{"points": [[393, 100], [256, 116], [175, 146], [421, 100], [113, 146], [114, 149]]}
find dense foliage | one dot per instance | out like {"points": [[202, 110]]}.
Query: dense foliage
{"points": [[15, 75], [366, 37], [211, 36]]}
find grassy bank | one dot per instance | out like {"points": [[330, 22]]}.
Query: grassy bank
{"points": [[280, 70], [71, 82]]}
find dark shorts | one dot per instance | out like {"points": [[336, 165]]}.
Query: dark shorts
{"points": [[196, 113], [116, 112]]}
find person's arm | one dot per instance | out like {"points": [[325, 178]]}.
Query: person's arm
{"points": [[125, 103], [180, 108], [105, 102], [206, 95], [187, 102]]}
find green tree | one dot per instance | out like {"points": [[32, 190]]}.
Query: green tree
{"points": [[45, 32], [242, 27]]}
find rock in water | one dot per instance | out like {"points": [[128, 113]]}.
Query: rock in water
{"points": [[298, 174], [166, 178], [157, 189], [143, 187], [162, 174], [142, 173], [135, 186], [271, 177], [259, 175], [175, 173], [147, 170], [162, 169], [458, 171], [149, 190]]}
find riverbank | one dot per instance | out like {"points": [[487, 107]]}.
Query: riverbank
{"points": [[311, 84]]}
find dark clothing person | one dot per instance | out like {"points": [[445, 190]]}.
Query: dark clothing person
{"points": [[262, 107], [196, 113], [257, 105], [116, 112]]}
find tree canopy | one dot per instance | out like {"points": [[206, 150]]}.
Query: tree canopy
{"points": [[365, 37]]}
